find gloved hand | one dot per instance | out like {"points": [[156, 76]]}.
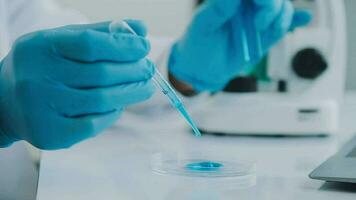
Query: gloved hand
{"points": [[61, 86], [210, 53]]}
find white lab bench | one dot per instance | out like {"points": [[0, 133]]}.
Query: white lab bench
{"points": [[116, 165]]}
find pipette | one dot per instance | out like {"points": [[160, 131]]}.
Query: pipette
{"points": [[160, 81], [250, 36]]}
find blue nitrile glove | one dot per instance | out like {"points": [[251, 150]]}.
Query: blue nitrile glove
{"points": [[210, 53], [61, 86]]}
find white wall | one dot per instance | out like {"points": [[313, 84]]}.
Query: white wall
{"points": [[351, 17], [164, 17]]}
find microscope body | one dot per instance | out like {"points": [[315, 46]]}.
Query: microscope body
{"points": [[304, 87]]}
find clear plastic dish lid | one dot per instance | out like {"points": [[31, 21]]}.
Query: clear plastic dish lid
{"points": [[202, 165]]}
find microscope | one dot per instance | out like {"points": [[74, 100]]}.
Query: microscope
{"points": [[296, 91]]}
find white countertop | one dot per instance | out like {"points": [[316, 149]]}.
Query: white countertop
{"points": [[116, 165]]}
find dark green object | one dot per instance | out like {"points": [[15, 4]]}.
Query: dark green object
{"points": [[260, 71]]}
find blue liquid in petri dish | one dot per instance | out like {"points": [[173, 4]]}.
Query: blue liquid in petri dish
{"points": [[206, 166]]}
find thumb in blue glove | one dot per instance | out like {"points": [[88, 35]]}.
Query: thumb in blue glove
{"points": [[61, 86]]}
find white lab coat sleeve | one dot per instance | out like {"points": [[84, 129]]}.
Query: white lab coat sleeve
{"points": [[24, 16]]}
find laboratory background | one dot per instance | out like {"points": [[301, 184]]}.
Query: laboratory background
{"points": [[177, 15], [288, 134]]}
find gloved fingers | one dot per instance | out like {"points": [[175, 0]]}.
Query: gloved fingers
{"points": [[99, 122], [266, 12], [252, 43], [301, 18], [213, 14], [238, 38], [94, 46], [72, 103], [283, 22], [101, 74], [65, 132]]}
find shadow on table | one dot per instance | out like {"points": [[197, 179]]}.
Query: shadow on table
{"points": [[339, 187]]}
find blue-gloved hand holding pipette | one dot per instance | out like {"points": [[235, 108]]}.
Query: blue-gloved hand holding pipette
{"points": [[159, 79], [227, 36], [61, 86]]}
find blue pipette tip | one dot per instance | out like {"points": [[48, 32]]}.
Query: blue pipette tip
{"points": [[196, 131], [205, 166], [185, 114], [167, 89]]}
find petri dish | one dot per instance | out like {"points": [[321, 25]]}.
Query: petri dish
{"points": [[210, 166]]}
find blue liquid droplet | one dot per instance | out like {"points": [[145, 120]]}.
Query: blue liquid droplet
{"points": [[205, 166]]}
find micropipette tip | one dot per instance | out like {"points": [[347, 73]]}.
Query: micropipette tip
{"points": [[185, 114], [167, 89]]}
